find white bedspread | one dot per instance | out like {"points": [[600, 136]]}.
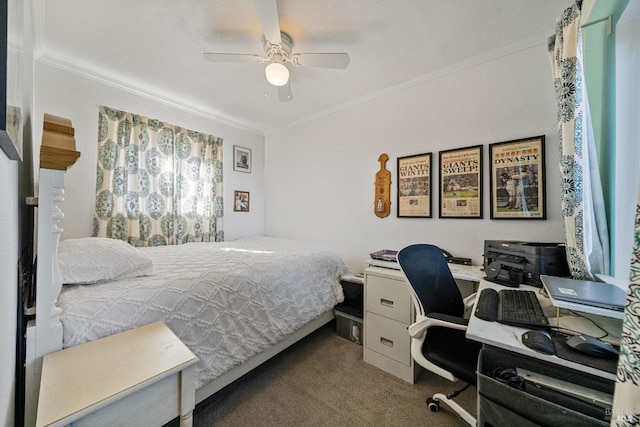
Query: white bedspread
{"points": [[226, 301]]}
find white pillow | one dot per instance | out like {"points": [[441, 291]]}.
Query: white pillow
{"points": [[99, 259]]}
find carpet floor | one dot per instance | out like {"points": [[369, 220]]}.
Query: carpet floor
{"points": [[323, 381]]}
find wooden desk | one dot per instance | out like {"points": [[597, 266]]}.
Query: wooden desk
{"points": [[141, 377]]}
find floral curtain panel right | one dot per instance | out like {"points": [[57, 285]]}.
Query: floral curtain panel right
{"points": [[583, 213], [626, 399]]}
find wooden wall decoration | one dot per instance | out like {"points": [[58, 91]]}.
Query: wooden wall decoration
{"points": [[382, 201], [58, 148]]}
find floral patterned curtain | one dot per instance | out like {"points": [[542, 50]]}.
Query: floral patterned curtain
{"points": [[626, 399], [157, 184], [583, 213]]}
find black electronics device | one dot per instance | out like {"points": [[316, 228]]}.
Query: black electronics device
{"points": [[538, 341], [585, 292], [353, 290], [511, 307], [592, 346], [487, 305], [455, 259], [521, 308], [512, 263]]}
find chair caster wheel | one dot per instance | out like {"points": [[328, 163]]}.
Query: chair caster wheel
{"points": [[433, 404]]}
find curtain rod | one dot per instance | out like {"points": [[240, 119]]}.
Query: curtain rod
{"points": [[597, 21]]}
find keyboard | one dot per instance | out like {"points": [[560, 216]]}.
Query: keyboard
{"points": [[511, 307]]}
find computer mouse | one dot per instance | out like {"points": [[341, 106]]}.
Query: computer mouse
{"points": [[592, 346], [538, 341]]}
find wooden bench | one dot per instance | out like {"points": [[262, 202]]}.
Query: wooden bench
{"points": [[141, 377]]}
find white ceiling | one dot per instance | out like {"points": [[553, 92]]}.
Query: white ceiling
{"points": [[155, 47]]}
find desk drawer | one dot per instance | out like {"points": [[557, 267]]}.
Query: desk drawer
{"points": [[389, 298], [388, 337]]}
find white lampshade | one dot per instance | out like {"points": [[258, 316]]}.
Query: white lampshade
{"points": [[277, 74]]}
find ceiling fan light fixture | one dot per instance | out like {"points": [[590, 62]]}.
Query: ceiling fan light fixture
{"points": [[277, 74]]}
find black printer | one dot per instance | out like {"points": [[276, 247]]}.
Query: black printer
{"points": [[511, 263]]}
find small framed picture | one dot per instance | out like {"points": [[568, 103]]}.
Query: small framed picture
{"points": [[414, 186], [517, 179], [241, 201], [241, 159], [461, 183]]}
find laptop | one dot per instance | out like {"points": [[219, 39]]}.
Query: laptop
{"points": [[597, 294]]}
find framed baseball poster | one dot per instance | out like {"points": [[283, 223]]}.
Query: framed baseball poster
{"points": [[414, 186], [518, 179], [461, 183]]}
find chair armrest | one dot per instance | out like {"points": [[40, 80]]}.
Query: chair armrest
{"points": [[452, 321], [470, 300], [419, 327]]}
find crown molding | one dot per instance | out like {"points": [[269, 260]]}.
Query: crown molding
{"points": [[138, 89], [513, 48], [52, 60]]}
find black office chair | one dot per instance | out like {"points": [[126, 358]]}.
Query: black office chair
{"points": [[438, 341]]}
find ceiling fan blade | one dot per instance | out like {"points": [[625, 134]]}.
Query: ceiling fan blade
{"points": [[268, 15], [232, 57], [284, 92], [322, 60]]}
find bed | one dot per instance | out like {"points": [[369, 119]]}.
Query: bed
{"points": [[234, 304]]}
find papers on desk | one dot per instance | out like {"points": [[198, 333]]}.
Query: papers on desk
{"points": [[385, 255]]}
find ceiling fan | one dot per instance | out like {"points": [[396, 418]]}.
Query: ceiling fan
{"points": [[277, 47]]}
